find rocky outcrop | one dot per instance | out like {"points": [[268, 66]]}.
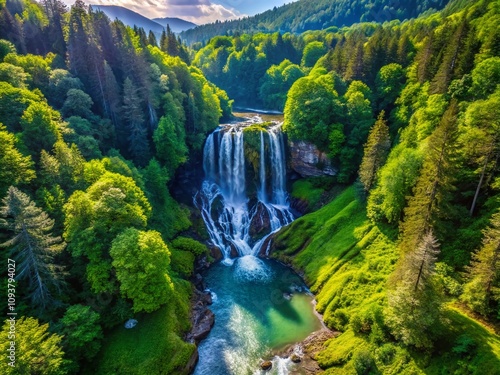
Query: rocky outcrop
{"points": [[266, 365], [308, 161], [203, 325], [202, 317], [304, 354], [260, 224], [190, 366]]}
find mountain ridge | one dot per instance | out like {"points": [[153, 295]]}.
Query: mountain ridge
{"points": [[131, 18], [176, 24]]}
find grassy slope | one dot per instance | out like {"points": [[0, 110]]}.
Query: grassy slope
{"points": [[152, 347], [346, 260]]}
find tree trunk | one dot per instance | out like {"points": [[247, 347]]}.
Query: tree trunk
{"points": [[480, 184]]}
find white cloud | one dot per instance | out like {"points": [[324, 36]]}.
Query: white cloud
{"points": [[197, 11]]}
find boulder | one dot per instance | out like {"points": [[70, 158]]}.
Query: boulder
{"points": [[308, 161], [198, 282], [190, 366], [201, 264], [295, 358], [216, 253], [260, 224], [202, 325], [206, 298], [234, 252], [131, 323], [266, 365]]}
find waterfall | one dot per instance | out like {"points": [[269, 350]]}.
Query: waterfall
{"points": [[223, 199], [262, 195]]}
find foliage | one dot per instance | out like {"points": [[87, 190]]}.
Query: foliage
{"points": [[481, 290], [15, 168], [141, 260], [40, 129], [376, 149], [310, 111], [189, 244], [32, 246], [170, 142], [95, 217], [301, 16], [147, 111], [37, 350], [81, 332]]}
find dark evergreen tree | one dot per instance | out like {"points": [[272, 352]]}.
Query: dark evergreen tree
{"points": [[152, 39], [132, 114], [430, 193], [481, 290], [32, 246], [375, 153]]}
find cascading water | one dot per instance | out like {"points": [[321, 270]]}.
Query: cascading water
{"points": [[255, 313], [223, 199]]}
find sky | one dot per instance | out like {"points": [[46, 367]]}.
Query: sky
{"points": [[197, 11]]}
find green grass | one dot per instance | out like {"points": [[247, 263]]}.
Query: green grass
{"points": [[153, 347], [346, 260], [306, 191], [482, 358]]}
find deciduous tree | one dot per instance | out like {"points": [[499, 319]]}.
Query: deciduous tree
{"points": [[141, 260]]}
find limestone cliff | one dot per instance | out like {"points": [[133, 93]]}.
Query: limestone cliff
{"points": [[308, 161]]}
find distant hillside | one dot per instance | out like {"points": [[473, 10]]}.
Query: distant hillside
{"points": [[129, 17], [304, 15], [177, 25]]}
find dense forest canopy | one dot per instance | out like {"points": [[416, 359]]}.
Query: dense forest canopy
{"points": [[97, 117], [300, 16]]}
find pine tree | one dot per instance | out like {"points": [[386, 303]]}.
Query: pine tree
{"points": [[413, 310], [430, 192], [11, 29], [481, 292], [481, 139], [422, 260], [143, 38], [172, 44], [32, 245], [78, 40], [163, 41], [447, 68], [55, 11], [152, 39], [138, 144], [111, 95], [423, 59], [354, 69], [375, 152]]}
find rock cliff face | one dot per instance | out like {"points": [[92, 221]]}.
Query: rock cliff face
{"points": [[308, 161]]}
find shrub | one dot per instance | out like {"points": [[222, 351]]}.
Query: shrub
{"points": [[363, 362], [188, 244]]}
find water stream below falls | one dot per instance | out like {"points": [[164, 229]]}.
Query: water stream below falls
{"points": [[260, 305]]}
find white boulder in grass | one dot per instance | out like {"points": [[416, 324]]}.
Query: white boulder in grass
{"points": [[131, 323]]}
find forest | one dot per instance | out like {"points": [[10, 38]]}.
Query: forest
{"points": [[401, 247], [298, 17]]}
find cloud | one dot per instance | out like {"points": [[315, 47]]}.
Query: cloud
{"points": [[197, 11]]}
